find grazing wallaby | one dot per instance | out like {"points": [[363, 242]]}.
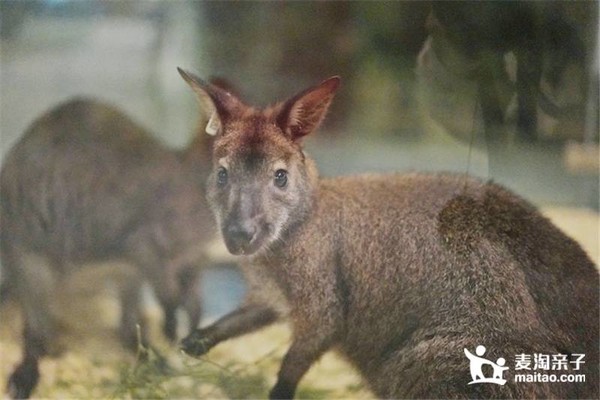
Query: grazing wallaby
{"points": [[87, 184], [399, 273]]}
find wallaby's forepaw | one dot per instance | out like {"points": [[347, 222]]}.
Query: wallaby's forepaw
{"points": [[197, 343], [282, 391], [23, 380]]}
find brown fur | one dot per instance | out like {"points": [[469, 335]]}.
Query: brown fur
{"points": [[86, 184], [399, 273]]}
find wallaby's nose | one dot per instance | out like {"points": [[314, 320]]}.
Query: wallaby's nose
{"points": [[239, 235]]}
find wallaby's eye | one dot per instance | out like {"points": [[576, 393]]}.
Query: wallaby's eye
{"points": [[222, 177], [281, 178]]}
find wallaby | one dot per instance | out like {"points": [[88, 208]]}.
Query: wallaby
{"points": [[399, 273], [86, 184]]}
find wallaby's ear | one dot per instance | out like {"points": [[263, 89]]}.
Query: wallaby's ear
{"points": [[303, 113], [215, 102]]}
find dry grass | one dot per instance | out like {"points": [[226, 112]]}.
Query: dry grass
{"points": [[92, 363]]}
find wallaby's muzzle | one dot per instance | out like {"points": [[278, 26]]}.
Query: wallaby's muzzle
{"points": [[244, 236], [239, 236], [244, 226]]}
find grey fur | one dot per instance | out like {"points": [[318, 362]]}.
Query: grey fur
{"points": [[86, 184]]}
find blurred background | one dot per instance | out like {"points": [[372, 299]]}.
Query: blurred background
{"points": [[411, 72], [426, 85], [505, 91]]}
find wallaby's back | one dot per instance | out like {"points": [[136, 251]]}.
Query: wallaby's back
{"points": [[80, 180]]}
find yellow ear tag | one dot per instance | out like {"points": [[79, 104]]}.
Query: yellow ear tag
{"points": [[213, 124]]}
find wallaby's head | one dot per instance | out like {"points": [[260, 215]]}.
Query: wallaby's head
{"points": [[261, 183]]}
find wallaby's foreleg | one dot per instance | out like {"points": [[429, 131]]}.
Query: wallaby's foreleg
{"points": [[193, 308], [245, 319], [191, 299], [170, 322], [305, 350]]}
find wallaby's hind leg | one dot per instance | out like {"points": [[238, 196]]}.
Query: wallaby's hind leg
{"points": [[26, 375], [438, 368], [34, 283]]}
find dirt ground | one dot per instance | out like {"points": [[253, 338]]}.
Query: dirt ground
{"points": [[92, 364]]}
